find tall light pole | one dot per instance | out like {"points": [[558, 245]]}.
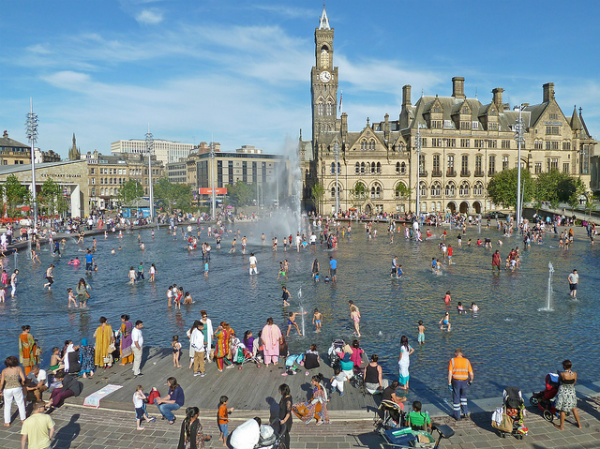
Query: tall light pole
{"points": [[212, 178], [150, 147], [32, 134], [418, 148], [336, 151], [519, 136]]}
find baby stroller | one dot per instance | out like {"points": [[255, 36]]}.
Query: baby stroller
{"points": [[336, 346], [543, 399], [243, 355], [509, 419], [389, 415], [407, 438], [251, 435]]}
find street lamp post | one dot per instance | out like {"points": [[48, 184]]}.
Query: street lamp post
{"points": [[32, 133], [519, 128], [150, 147], [418, 148], [336, 150], [212, 179]]}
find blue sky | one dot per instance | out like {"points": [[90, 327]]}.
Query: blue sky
{"points": [[239, 70]]}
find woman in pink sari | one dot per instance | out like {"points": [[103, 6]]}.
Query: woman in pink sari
{"points": [[271, 337]]}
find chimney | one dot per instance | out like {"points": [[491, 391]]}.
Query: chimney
{"points": [[458, 87], [498, 98], [386, 128], [406, 95], [344, 126], [548, 92], [5, 134]]}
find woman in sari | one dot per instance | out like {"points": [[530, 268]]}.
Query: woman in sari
{"points": [[126, 341], [220, 350], [87, 359], [104, 337], [271, 337], [316, 407], [27, 349], [228, 330], [191, 435]]}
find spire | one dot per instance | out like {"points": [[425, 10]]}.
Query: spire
{"points": [[74, 153], [575, 122], [74, 142], [324, 22]]}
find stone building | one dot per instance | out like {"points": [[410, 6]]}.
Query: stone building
{"points": [[464, 142], [107, 174], [166, 151]]}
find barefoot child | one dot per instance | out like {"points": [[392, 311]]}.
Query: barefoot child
{"points": [[292, 322], [131, 276], [338, 379], [140, 410], [223, 417], [317, 319], [355, 317], [447, 298], [421, 336], [460, 308], [71, 297], [445, 322], [176, 351]]}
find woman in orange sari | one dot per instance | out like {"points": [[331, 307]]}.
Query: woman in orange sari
{"points": [[316, 407], [27, 349], [220, 351], [104, 337]]}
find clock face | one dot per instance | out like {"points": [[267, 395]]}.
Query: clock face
{"points": [[325, 76]]}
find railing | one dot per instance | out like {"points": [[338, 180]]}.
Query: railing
{"points": [[491, 172], [450, 172], [423, 173], [436, 173], [479, 173], [465, 173]]}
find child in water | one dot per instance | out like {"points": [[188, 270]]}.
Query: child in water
{"points": [[292, 322], [447, 298], [317, 319], [474, 308], [421, 336], [460, 308], [445, 322], [71, 297]]}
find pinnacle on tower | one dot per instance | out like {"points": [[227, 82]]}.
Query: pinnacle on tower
{"points": [[324, 22]]}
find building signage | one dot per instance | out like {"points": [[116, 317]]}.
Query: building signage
{"points": [[58, 175], [208, 191]]}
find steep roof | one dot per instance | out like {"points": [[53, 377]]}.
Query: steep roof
{"points": [[6, 141], [536, 111]]}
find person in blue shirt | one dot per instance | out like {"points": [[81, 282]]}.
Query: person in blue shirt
{"points": [[174, 400], [89, 262], [332, 269]]}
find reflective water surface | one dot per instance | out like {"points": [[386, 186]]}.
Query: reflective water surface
{"points": [[510, 342]]}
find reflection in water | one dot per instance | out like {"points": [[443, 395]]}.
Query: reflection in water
{"points": [[508, 332]]}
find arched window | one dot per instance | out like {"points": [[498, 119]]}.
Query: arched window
{"points": [[436, 189], [333, 168], [324, 57], [478, 189], [362, 168], [397, 167], [333, 191], [450, 189], [372, 168], [372, 145], [360, 190], [357, 168], [403, 168], [339, 168], [320, 109], [376, 191], [363, 145], [402, 147], [464, 189], [423, 189], [378, 168], [329, 108]]}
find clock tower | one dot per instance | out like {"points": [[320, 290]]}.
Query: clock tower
{"points": [[323, 81]]}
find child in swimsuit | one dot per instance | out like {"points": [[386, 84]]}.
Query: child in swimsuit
{"points": [[460, 308], [317, 318], [292, 322], [176, 351], [445, 322], [447, 298]]}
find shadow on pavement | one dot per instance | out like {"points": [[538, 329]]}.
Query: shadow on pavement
{"points": [[67, 434]]}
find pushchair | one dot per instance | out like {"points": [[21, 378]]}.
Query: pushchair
{"points": [[336, 346], [389, 415], [252, 435], [544, 399], [243, 355], [509, 419], [408, 438]]}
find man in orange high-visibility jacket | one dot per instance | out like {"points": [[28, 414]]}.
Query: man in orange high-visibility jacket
{"points": [[460, 375]]}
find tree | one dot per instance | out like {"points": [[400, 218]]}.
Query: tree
{"points": [[50, 199], [502, 188], [318, 192], [556, 187], [173, 196], [241, 193], [130, 192], [358, 194], [403, 191], [16, 195]]}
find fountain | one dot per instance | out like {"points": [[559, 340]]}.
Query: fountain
{"points": [[301, 311], [548, 307]]}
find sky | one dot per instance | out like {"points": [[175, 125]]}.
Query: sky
{"points": [[239, 71]]}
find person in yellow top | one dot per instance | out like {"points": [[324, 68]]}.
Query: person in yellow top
{"points": [[460, 375], [38, 429]]}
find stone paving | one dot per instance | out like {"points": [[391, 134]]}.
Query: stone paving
{"points": [[85, 428]]}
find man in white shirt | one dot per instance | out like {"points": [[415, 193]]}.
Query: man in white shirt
{"points": [[313, 243], [253, 261], [37, 382], [197, 342], [136, 347]]}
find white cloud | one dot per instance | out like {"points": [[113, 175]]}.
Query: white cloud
{"points": [[149, 17]]}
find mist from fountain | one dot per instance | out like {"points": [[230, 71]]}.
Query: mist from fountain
{"points": [[549, 291]]}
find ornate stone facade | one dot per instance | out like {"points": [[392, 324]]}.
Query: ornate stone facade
{"points": [[463, 143]]}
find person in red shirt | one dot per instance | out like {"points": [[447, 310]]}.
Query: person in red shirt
{"points": [[450, 252]]}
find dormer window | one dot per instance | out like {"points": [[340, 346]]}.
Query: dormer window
{"points": [[436, 110]]}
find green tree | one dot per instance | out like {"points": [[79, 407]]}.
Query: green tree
{"points": [[50, 198], [502, 188], [403, 191], [556, 187], [318, 192], [241, 193], [358, 194], [16, 195], [182, 197], [130, 192]]}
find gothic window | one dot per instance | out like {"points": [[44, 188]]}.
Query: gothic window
{"points": [[464, 189], [372, 145], [397, 167], [357, 168], [333, 191], [320, 109], [372, 168], [478, 189], [402, 168], [423, 189], [402, 147], [329, 108], [333, 168], [362, 168], [339, 168], [324, 57], [450, 189], [436, 189], [376, 191], [363, 145], [378, 168]]}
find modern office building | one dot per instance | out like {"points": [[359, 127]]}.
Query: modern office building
{"points": [[463, 143], [165, 151]]}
